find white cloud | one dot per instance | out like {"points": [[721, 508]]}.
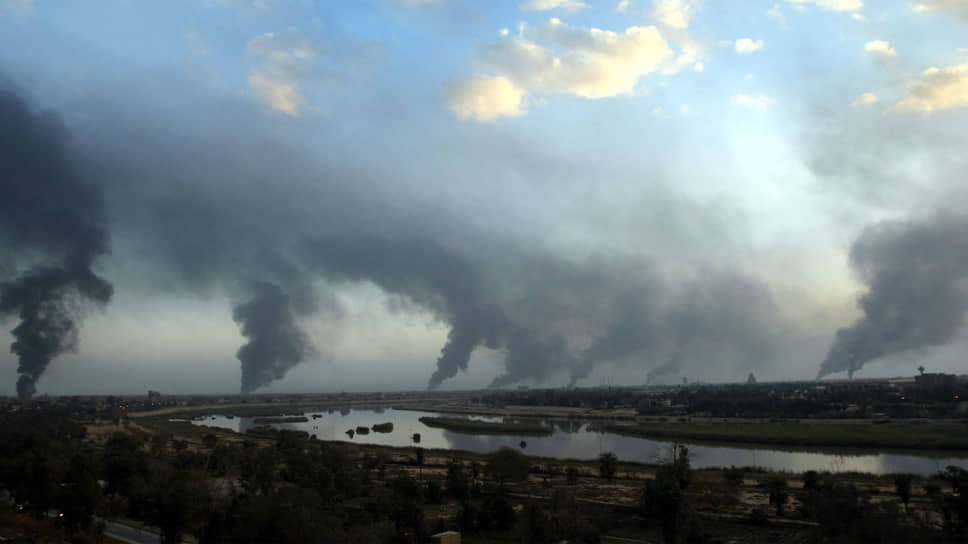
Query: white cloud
{"points": [[832, 5], [776, 14], [760, 102], [485, 98], [958, 8], [676, 14], [591, 63], [859, 17], [622, 6], [562, 59], [746, 46], [880, 49], [571, 6], [941, 89], [865, 99], [278, 64]]}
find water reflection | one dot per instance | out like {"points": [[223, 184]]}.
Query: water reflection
{"points": [[572, 439]]}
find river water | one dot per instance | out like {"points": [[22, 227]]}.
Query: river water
{"points": [[572, 439]]}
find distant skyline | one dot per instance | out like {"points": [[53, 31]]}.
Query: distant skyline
{"points": [[551, 191]]}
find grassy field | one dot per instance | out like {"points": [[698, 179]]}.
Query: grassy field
{"points": [[899, 436], [473, 426]]}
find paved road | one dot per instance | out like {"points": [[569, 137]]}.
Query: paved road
{"points": [[130, 534]]}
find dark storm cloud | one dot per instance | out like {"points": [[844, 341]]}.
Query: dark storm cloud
{"points": [[916, 297], [51, 233]]}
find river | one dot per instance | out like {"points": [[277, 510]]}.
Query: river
{"points": [[572, 439]]}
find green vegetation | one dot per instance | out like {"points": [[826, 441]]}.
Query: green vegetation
{"points": [[474, 426], [215, 486], [383, 427], [920, 436]]}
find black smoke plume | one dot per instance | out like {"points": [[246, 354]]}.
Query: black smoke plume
{"points": [[276, 344], [52, 232], [916, 294], [429, 275], [208, 209], [671, 366]]}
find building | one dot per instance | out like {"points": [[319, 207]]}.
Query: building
{"points": [[934, 381]]}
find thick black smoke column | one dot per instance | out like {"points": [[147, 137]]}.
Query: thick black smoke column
{"points": [[51, 231], [276, 343], [916, 293]]}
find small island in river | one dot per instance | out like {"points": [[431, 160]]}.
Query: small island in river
{"points": [[475, 426]]}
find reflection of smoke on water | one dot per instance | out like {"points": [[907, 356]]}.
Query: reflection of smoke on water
{"points": [[567, 426]]}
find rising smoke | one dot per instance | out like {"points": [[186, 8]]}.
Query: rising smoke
{"points": [[276, 344], [51, 224], [667, 368], [915, 274], [206, 214]]}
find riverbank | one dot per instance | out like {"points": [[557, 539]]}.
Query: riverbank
{"points": [[921, 436], [724, 499], [476, 426]]}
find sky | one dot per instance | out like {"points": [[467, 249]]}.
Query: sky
{"points": [[208, 195]]}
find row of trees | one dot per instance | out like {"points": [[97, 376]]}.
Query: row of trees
{"points": [[294, 489]]}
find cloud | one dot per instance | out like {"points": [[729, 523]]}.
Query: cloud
{"points": [[676, 14], [958, 8], [622, 6], [832, 5], [485, 98], [759, 102], [859, 17], [776, 14], [571, 6], [746, 46], [881, 49], [941, 88], [587, 62], [591, 63], [865, 99], [417, 3], [278, 64]]}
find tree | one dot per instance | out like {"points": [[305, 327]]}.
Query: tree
{"points": [[779, 495], [177, 501], [734, 477], [811, 479], [79, 493], [507, 464], [663, 500], [607, 465], [902, 485], [457, 485]]}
